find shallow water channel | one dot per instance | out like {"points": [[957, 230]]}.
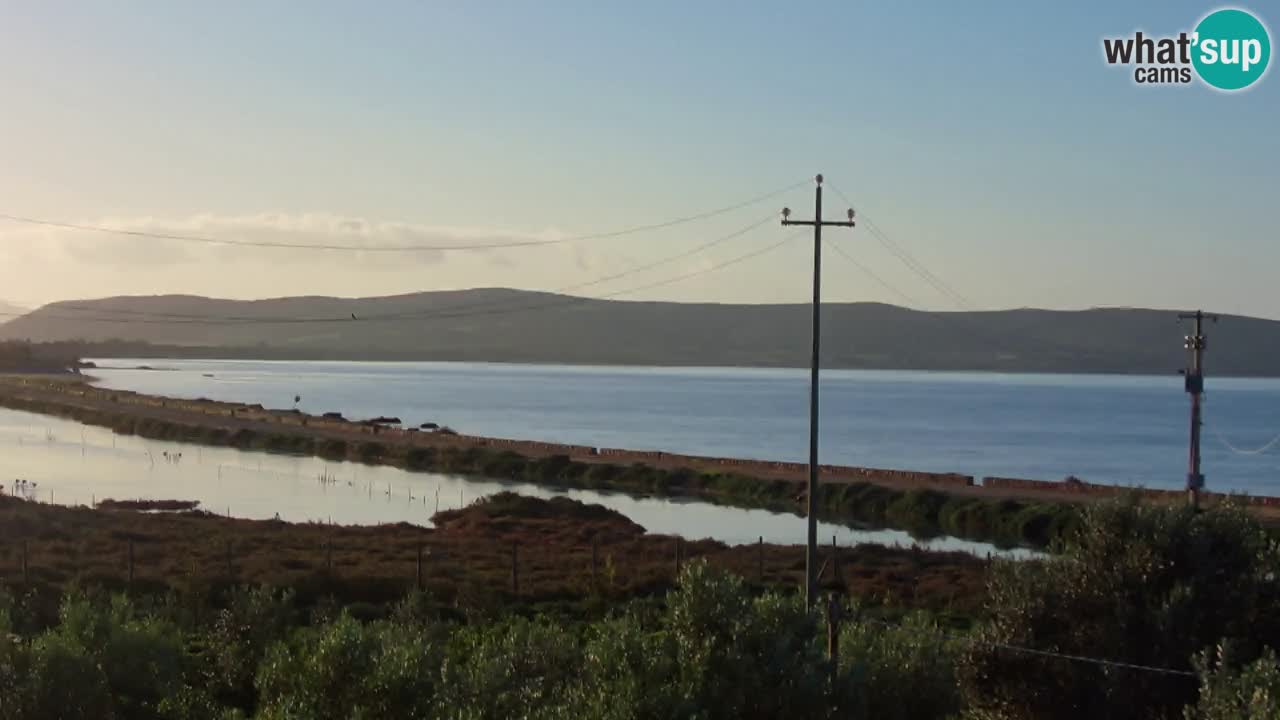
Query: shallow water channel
{"points": [[69, 463]]}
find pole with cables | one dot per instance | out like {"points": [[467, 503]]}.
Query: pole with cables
{"points": [[811, 501], [1194, 384]]}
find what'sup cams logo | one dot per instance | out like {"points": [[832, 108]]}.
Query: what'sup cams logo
{"points": [[1229, 50]]}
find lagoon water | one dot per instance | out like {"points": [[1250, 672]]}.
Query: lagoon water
{"points": [[1127, 430], [68, 463]]}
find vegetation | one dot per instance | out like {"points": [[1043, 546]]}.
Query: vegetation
{"points": [[148, 505], [466, 560], [711, 650], [24, 357], [1148, 612], [1138, 584]]}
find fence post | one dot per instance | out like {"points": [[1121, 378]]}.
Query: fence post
{"points": [[760, 559], [130, 563], [833, 636], [595, 564], [417, 575], [25, 572], [515, 568]]}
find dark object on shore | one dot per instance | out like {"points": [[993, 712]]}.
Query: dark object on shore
{"points": [[429, 426], [144, 367], [446, 430], [208, 375], [383, 420], [161, 505], [333, 416]]}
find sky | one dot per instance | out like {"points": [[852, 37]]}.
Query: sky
{"points": [[989, 139]]}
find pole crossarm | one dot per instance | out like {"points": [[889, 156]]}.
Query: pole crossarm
{"points": [[824, 223]]}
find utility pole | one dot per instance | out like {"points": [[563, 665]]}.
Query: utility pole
{"points": [[811, 546], [1194, 376]]}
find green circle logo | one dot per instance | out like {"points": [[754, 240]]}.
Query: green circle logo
{"points": [[1232, 49]]}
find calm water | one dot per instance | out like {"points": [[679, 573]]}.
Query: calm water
{"points": [[1114, 429], [75, 464]]}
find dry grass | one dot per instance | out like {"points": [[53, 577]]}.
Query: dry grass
{"points": [[467, 561]]}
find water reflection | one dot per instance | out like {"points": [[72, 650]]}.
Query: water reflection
{"points": [[69, 463]]}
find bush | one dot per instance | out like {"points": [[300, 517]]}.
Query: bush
{"points": [[1229, 692], [253, 621], [349, 670], [511, 668], [1142, 584], [897, 673], [65, 681], [142, 658]]}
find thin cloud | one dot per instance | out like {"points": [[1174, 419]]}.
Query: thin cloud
{"points": [[302, 229]]}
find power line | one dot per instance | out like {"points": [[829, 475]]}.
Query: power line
{"points": [[444, 313], [1101, 662], [871, 274], [207, 240], [163, 318], [1229, 446], [904, 255]]}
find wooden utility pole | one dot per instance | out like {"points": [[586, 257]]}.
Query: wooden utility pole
{"points": [[1194, 376], [811, 545]]}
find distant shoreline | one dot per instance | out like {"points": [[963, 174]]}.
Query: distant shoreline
{"points": [[1175, 377]]}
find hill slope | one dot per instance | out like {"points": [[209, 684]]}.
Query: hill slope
{"points": [[518, 326]]}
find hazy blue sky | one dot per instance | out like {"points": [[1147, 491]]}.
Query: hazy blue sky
{"points": [[988, 138]]}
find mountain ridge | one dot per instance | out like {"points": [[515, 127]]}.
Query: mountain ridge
{"points": [[506, 325]]}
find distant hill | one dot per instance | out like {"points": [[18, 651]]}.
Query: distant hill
{"points": [[9, 310], [517, 326]]}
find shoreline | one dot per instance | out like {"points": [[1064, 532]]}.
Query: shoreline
{"points": [[1003, 511], [631, 366]]}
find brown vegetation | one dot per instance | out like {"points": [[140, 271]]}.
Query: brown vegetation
{"points": [[148, 505], [467, 561]]}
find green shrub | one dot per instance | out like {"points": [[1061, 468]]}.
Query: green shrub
{"points": [[1143, 584], [898, 672], [1231, 692]]}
